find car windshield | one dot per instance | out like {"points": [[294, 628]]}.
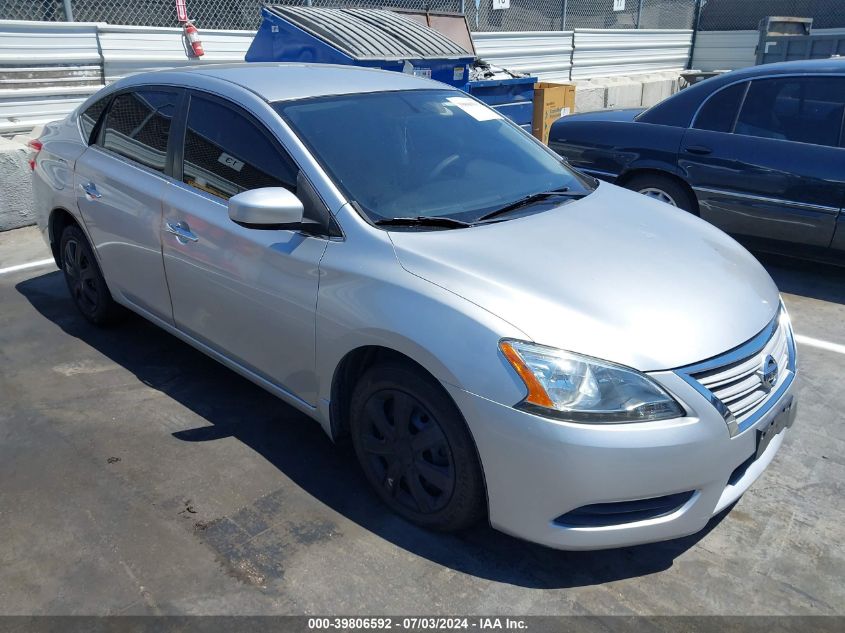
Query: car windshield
{"points": [[426, 153]]}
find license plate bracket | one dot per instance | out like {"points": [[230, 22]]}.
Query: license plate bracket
{"points": [[777, 423]]}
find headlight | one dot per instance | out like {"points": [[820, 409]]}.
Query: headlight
{"points": [[583, 389]]}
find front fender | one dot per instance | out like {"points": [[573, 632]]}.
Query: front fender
{"points": [[367, 299]]}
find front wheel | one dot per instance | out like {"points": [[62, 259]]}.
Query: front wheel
{"points": [[415, 448]]}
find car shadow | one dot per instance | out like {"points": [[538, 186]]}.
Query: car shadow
{"points": [[813, 280], [297, 446]]}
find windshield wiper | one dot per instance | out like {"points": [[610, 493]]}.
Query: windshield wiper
{"points": [[422, 220], [530, 199]]}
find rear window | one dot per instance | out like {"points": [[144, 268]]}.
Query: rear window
{"points": [[89, 117], [719, 112], [138, 126]]}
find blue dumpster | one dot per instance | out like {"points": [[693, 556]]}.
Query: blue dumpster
{"points": [[513, 98], [361, 37]]}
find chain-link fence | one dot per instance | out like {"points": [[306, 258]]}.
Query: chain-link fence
{"points": [[519, 15], [551, 15], [735, 15]]}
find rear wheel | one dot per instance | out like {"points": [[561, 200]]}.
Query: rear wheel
{"points": [[415, 448], [663, 188], [84, 280]]}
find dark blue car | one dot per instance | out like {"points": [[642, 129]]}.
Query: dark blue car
{"points": [[759, 152]]}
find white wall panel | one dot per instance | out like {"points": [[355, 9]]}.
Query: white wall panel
{"points": [[46, 69], [132, 49], [545, 54], [622, 52]]}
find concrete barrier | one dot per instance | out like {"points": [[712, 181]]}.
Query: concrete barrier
{"points": [[625, 92], [15, 185]]}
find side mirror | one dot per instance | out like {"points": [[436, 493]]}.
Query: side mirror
{"points": [[266, 208]]}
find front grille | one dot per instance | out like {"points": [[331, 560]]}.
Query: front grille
{"points": [[734, 381], [739, 385]]}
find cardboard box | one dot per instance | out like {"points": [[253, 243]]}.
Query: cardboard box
{"points": [[551, 101]]}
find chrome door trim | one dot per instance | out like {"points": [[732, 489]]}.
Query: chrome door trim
{"points": [[781, 201]]}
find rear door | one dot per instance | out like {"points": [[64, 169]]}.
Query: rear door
{"points": [[249, 294], [119, 184], [765, 161]]}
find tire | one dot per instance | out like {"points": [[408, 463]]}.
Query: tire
{"points": [[425, 469], [664, 188], [85, 280]]}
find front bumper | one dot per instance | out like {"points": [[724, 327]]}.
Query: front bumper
{"points": [[537, 469]]}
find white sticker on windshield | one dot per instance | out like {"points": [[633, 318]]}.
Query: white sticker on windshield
{"points": [[230, 161], [476, 110]]}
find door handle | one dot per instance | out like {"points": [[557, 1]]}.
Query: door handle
{"points": [[698, 149], [90, 190], [181, 231]]}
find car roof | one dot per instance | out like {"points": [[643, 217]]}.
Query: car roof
{"points": [[831, 65], [281, 81], [679, 108]]}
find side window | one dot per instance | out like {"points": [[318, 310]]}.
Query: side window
{"points": [[719, 111], [226, 153], [138, 124], [89, 117], [802, 109]]}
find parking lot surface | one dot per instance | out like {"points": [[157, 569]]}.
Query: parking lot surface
{"points": [[138, 476]]}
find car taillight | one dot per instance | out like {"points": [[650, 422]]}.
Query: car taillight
{"points": [[35, 145]]}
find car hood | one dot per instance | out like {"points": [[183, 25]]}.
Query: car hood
{"points": [[622, 114], [614, 275]]}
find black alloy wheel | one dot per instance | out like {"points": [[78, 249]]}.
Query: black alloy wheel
{"points": [[81, 276], [84, 279], [415, 448], [408, 451]]}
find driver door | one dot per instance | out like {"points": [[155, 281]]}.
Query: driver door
{"points": [[248, 294]]}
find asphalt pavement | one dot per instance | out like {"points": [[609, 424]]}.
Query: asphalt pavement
{"points": [[138, 476]]}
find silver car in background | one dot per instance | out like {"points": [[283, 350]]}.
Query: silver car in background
{"points": [[499, 335]]}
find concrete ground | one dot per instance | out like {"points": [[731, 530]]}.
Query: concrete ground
{"points": [[138, 476]]}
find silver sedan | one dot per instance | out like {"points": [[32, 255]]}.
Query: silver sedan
{"points": [[501, 336]]}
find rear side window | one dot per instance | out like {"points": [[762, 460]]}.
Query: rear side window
{"points": [[89, 117], [137, 126], [227, 153], [719, 112], [801, 109]]}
